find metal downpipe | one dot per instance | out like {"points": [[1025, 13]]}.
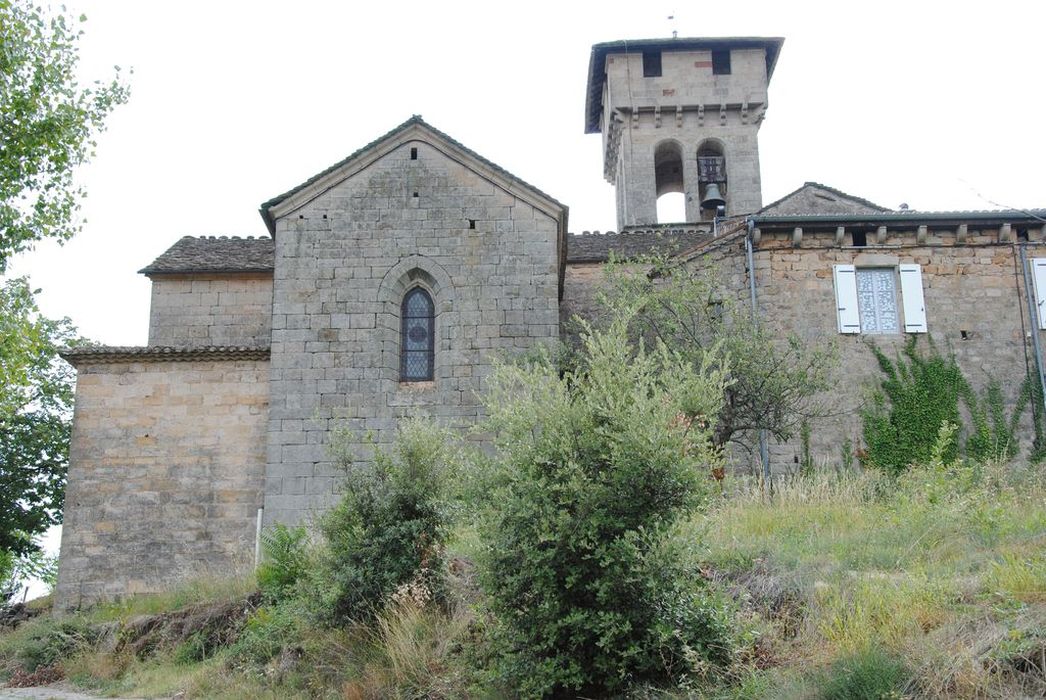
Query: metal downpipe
{"points": [[764, 453]]}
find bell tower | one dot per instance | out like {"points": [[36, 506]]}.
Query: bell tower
{"points": [[681, 115]]}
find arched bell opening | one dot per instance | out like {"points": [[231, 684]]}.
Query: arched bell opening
{"points": [[668, 183]]}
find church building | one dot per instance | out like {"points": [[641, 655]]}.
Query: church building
{"points": [[390, 281]]}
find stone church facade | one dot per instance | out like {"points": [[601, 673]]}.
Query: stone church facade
{"points": [[391, 280]]}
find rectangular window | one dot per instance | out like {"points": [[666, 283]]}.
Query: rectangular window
{"points": [[721, 62], [871, 300], [651, 64], [877, 301]]}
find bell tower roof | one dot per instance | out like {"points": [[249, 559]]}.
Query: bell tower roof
{"points": [[597, 62]]}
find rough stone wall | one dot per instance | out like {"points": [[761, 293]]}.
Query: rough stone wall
{"points": [[166, 467], [343, 263], [199, 310], [969, 288], [581, 285]]}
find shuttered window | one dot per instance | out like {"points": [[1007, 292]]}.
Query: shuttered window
{"points": [[867, 299], [912, 296], [846, 299]]}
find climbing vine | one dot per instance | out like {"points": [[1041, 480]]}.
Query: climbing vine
{"points": [[919, 392]]}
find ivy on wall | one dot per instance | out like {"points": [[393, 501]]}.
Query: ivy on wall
{"points": [[920, 391]]}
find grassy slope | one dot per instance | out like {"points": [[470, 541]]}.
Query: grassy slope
{"points": [[943, 574], [853, 587]]}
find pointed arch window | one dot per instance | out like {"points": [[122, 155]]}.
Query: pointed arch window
{"points": [[417, 336]]}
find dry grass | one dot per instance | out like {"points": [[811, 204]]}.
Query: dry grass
{"points": [[411, 652]]}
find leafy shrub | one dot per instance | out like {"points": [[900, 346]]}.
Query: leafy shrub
{"points": [[267, 631], [774, 383], [871, 674], [390, 526], [286, 560], [596, 466]]}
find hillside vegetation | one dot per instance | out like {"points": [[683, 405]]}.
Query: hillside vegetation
{"points": [[599, 549], [844, 586]]}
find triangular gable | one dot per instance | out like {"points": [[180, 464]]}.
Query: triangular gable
{"points": [[414, 129], [815, 199]]}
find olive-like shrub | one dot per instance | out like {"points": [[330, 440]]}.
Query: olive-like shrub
{"points": [[390, 526], [595, 465]]}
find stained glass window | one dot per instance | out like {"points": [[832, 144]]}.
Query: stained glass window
{"points": [[416, 341], [877, 300]]}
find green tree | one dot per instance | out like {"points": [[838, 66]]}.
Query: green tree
{"points": [[36, 394], [596, 464], [48, 125], [773, 382]]}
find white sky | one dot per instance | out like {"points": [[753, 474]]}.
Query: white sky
{"points": [[235, 102]]}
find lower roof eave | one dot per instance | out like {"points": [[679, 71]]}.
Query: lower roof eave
{"points": [[108, 354]]}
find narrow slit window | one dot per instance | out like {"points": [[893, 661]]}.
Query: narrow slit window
{"points": [[417, 337], [413, 154]]}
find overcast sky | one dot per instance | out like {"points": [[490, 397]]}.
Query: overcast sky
{"points": [[933, 104]]}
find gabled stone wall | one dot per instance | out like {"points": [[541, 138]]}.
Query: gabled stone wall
{"points": [[343, 263]]}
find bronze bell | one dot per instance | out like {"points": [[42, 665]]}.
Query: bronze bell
{"points": [[713, 199]]}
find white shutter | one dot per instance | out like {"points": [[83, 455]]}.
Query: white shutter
{"points": [[912, 298], [846, 299], [1038, 266]]}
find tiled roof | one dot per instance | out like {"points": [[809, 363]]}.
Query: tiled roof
{"points": [[630, 243], [214, 254], [100, 354]]}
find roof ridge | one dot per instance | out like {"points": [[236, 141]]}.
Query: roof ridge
{"points": [[225, 237]]}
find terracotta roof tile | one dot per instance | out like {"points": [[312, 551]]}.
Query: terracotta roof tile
{"points": [[101, 354]]}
